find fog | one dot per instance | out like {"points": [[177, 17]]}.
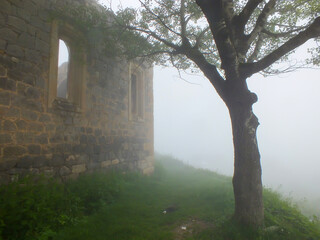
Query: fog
{"points": [[192, 124]]}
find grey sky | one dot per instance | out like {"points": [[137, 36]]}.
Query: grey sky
{"points": [[192, 123]]}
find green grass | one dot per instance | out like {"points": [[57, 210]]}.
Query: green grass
{"points": [[130, 207]]}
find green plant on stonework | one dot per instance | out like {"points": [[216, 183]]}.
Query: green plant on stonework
{"points": [[28, 208]]}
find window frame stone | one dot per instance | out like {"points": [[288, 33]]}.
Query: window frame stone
{"points": [[76, 69], [139, 115]]}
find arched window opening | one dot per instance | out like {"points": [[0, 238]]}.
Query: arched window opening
{"points": [[63, 69], [136, 101]]}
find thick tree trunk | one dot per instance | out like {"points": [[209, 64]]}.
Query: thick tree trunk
{"points": [[247, 184]]}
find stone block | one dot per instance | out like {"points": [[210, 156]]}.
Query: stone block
{"points": [[49, 128], [21, 124], [63, 148], [102, 140], [83, 139], [29, 115], [97, 132], [41, 138], [93, 166], [5, 7], [68, 120], [42, 25], [31, 162], [13, 151], [32, 55], [3, 71], [96, 149], [17, 23], [33, 93], [13, 113], [79, 168], [3, 45], [115, 162], [26, 40], [15, 50], [35, 127], [7, 165], [57, 160], [9, 126], [42, 46], [34, 149], [106, 164], [29, 79], [25, 103], [7, 84], [64, 171], [9, 35], [45, 118], [5, 138], [24, 137], [57, 138], [91, 139], [23, 14], [78, 149]]}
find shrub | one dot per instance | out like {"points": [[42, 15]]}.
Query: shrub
{"points": [[28, 209]]}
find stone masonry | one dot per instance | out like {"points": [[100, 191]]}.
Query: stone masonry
{"points": [[93, 130]]}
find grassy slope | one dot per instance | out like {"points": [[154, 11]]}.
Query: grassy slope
{"points": [[197, 194], [130, 207]]}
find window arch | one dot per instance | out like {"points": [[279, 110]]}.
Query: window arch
{"points": [[63, 69], [71, 96], [136, 93]]}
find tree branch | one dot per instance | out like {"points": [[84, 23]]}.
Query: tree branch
{"points": [[158, 18], [257, 48], [282, 34], [213, 11], [183, 22], [312, 31], [154, 35], [243, 17], [200, 36], [262, 20], [209, 70]]}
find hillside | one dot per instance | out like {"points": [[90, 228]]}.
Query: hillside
{"points": [[177, 202]]}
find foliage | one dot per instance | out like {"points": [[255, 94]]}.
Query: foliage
{"points": [[30, 210], [169, 26], [116, 206], [37, 210], [102, 29], [96, 190], [196, 194]]}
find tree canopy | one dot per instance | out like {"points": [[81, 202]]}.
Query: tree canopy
{"points": [[259, 32]]}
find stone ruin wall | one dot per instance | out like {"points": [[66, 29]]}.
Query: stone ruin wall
{"points": [[40, 137]]}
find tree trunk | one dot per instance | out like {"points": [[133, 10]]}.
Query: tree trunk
{"points": [[247, 184]]}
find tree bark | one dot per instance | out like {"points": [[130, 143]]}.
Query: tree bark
{"points": [[247, 184]]}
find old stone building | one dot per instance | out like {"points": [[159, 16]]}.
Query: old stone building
{"points": [[103, 117]]}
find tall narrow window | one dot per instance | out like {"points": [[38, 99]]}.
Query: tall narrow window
{"points": [[63, 69], [136, 94], [67, 72]]}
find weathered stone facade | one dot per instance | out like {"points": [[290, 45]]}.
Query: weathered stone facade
{"points": [[93, 129]]}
